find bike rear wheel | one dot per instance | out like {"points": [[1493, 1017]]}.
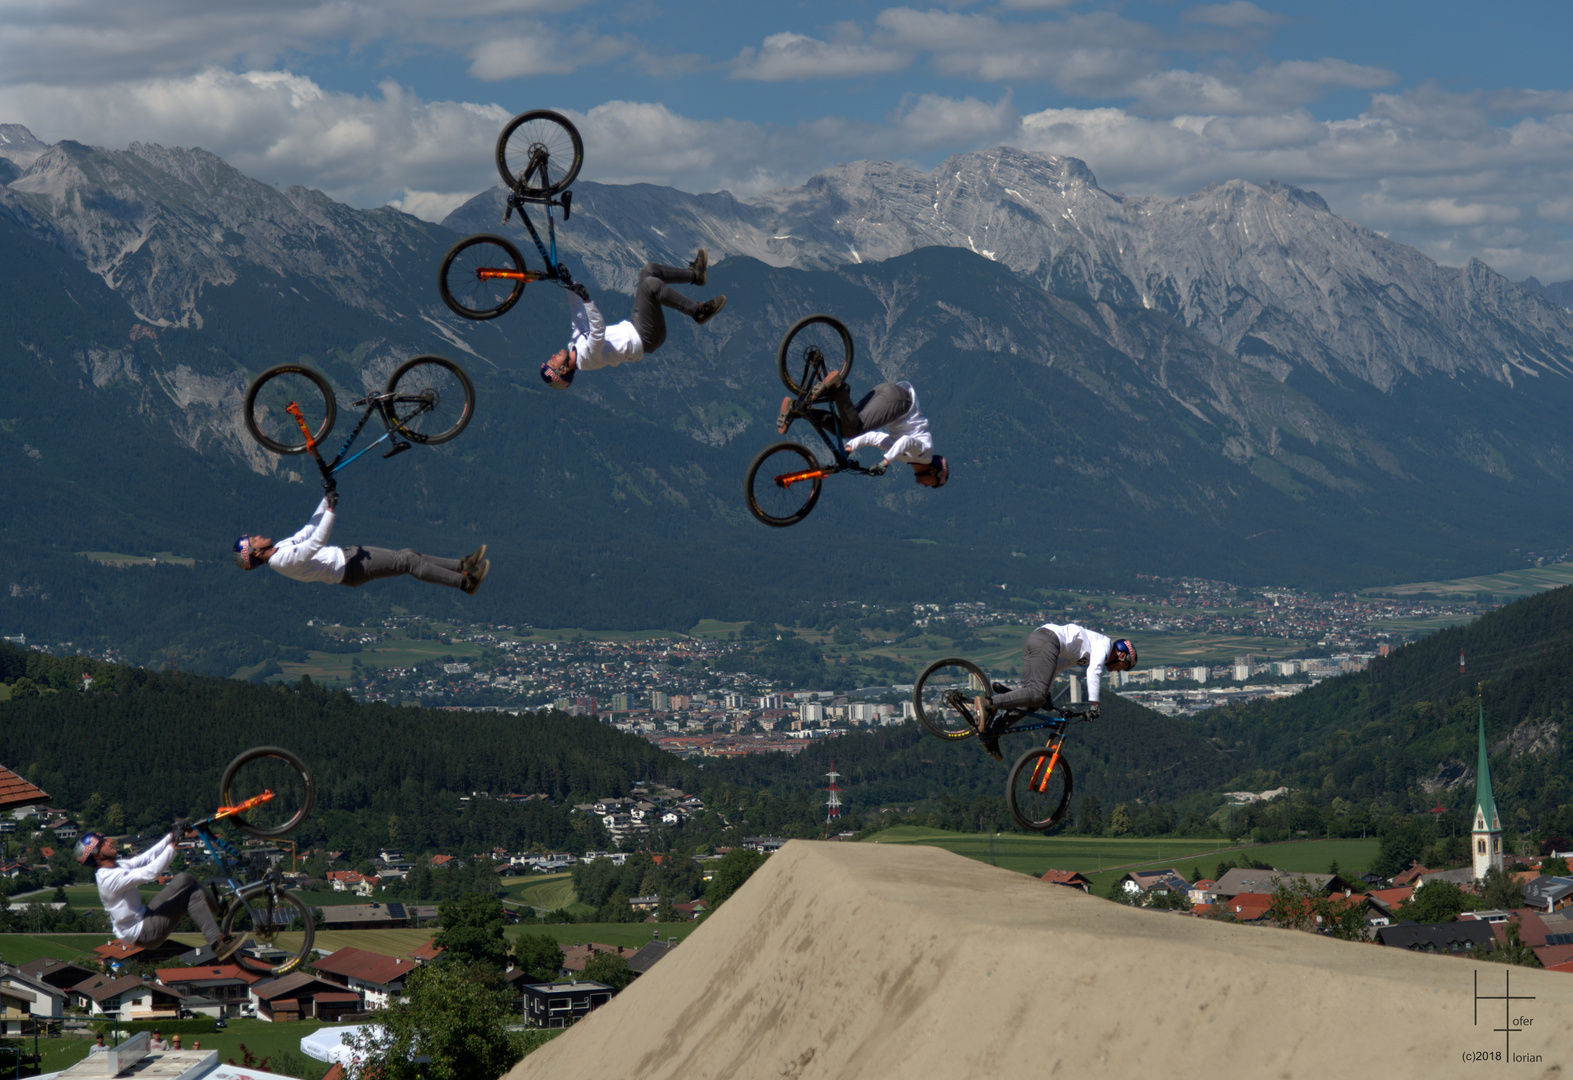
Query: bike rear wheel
{"points": [[1038, 794], [771, 497], [266, 412], [942, 697], [815, 343], [483, 276], [264, 916], [265, 769], [432, 399], [552, 136]]}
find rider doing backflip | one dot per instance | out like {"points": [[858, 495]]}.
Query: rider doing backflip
{"points": [[1049, 650], [592, 344], [888, 419], [150, 925], [307, 556]]}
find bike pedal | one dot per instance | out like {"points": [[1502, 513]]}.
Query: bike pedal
{"points": [[398, 448]]}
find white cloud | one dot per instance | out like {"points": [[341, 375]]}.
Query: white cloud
{"points": [[535, 49], [1238, 14], [794, 56]]}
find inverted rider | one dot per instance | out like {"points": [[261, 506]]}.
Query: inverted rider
{"points": [[592, 344], [307, 556], [1049, 650], [887, 418]]}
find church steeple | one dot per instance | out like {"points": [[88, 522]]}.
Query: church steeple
{"points": [[1486, 833]]}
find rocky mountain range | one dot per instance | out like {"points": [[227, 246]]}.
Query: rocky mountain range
{"points": [[1237, 384]]}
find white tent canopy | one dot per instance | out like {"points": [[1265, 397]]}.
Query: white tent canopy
{"points": [[327, 1044]]}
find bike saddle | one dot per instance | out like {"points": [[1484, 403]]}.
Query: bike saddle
{"points": [[566, 202]]}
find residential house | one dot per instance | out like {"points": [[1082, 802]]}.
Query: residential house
{"points": [[575, 957], [1154, 883], [1410, 876], [378, 978], [130, 998], [1075, 879], [1453, 937], [556, 1005], [426, 954], [1549, 894], [649, 955], [303, 996], [61, 974], [17, 795], [226, 986], [117, 950], [352, 881], [646, 904], [32, 1000], [366, 916], [1246, 906], [1241, 880], [692, 909]]}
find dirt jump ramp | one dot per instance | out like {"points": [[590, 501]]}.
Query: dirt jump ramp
{"points": [[869, 961]]}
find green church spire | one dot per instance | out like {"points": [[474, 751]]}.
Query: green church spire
{"points": [[1485, 805]]}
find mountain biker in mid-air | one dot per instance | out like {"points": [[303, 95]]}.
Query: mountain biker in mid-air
{"points": [[1049, 650], [307, 556], [592, 344], [150, 925], [886, 418]]}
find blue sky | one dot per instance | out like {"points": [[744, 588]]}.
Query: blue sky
{"points": [[1445, 125]]}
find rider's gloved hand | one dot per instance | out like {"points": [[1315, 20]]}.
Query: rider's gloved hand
{"points": [[879, 469], [580, 291], [180, 828], [332, 495], [564, 276], [1093, 712]]}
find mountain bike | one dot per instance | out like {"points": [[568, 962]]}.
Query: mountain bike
{"points": [[538, 154], [783, 482], [1038, 788], [266, 793], [291, 408]]}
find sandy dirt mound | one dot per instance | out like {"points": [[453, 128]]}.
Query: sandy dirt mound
{"points": [[867, 961]]}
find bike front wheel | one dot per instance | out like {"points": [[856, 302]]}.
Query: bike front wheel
{"points": [[267, 408], [942, 697], [783, 484], [816, 344], [265, 916], [483, 276], [430, 400], [539, 153], [1039, 789], [267, 792]]}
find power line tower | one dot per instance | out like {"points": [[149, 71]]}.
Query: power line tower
{"points": [[832, 798]]}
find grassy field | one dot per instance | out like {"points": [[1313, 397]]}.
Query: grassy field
{"points": [[1515, 583], [630, 934], [22, 948], [547, 892], [1105, 859], [260, 1037]]}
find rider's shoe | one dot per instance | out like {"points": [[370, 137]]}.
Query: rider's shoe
{"points": [[227, 946], [472, 560], [473, 578], [701, 261], [708, 309], [829, 385], [991, 747], [787, 415]]}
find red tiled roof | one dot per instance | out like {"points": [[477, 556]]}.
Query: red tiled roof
{"points": [[1555, 957], [117, 950], [16, 793], [1248, 907], [205, 973], [368, 967], [429, 951], [1064, 877]]}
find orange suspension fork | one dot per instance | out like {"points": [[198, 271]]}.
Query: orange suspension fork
{"points": [[788, 479], [254, 801], [1043, 770]]}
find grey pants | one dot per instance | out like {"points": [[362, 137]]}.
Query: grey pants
{"points": [[654, 293], [885, 404], [1040, 655], [183, 895], [363, 564]]}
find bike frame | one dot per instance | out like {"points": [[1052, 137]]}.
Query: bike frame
{"points": [[374, 405], [231, 864], [821, 419]]}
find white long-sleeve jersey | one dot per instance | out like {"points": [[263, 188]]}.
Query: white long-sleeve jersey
{"points": [[597, 345], [117, 887], [906, 439], [307, 556], [1078, 645]]}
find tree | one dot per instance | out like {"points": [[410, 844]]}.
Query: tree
{"points": [[1089, 816], [609, 968], [1437, 902], [457, 1015], [1120, 820], [540, 956], [1513, 952], [1500, 890], [471, 931], [735, 867]]}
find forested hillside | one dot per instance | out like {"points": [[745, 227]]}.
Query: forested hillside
{"points": [[1403, 732]]}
